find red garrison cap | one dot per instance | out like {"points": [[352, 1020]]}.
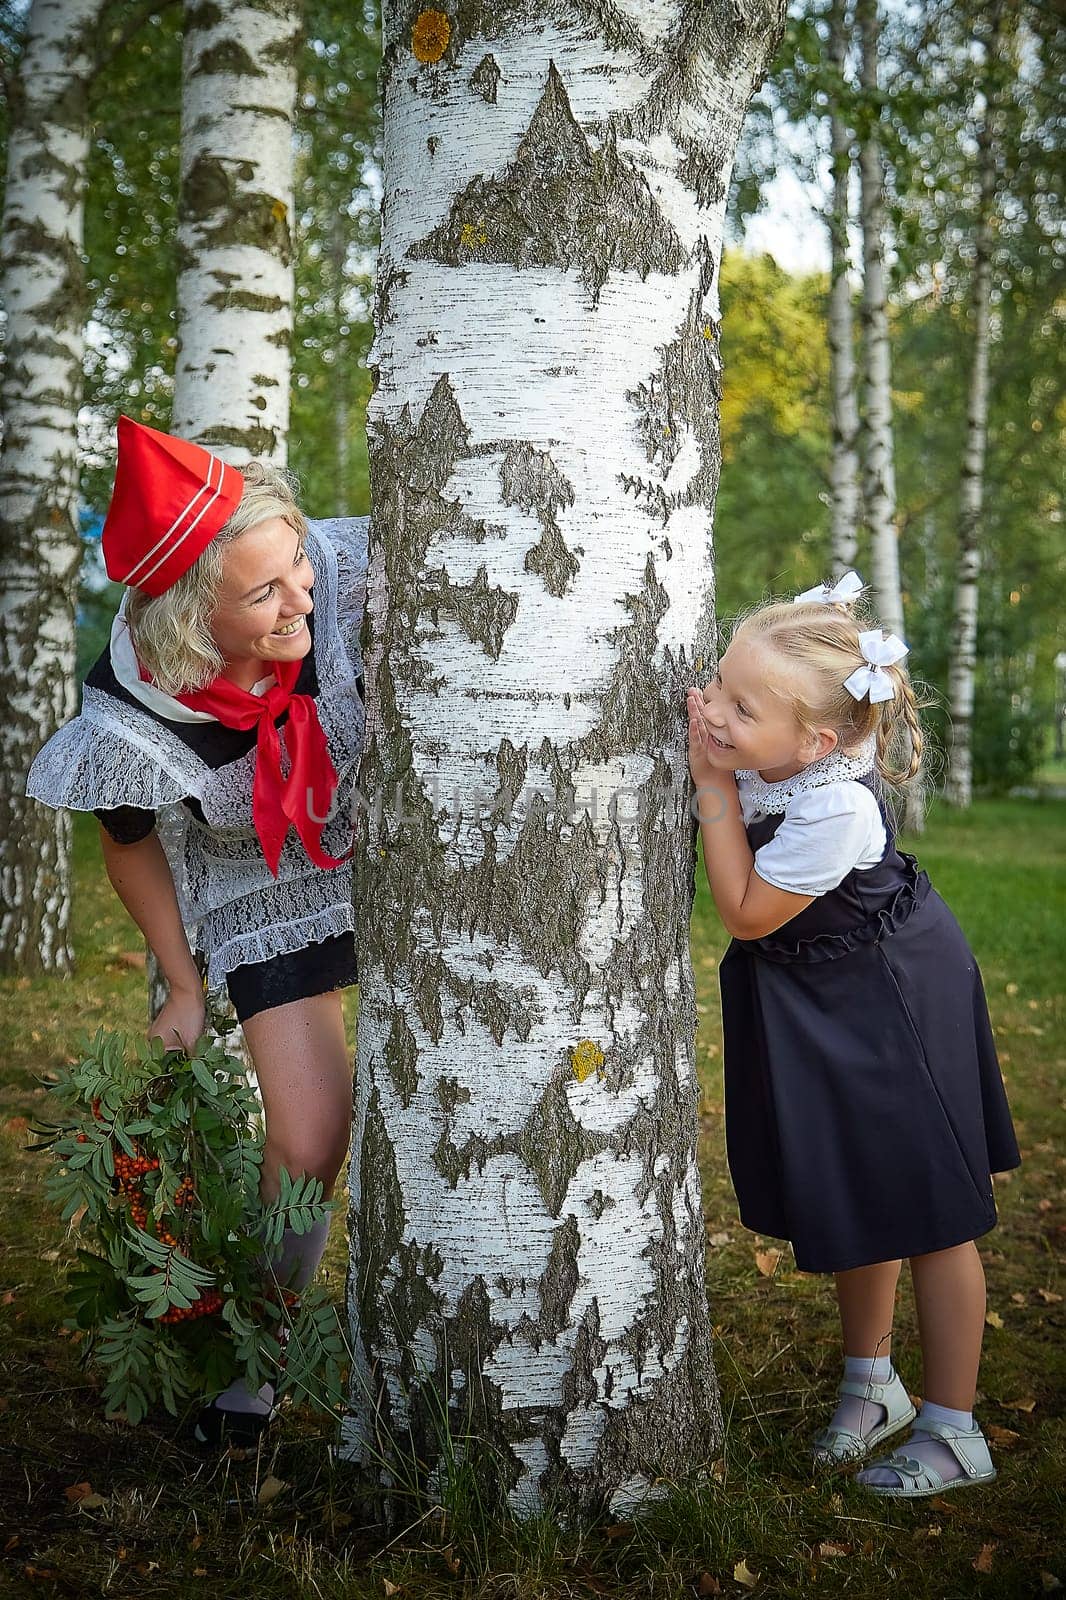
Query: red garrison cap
{"points": [[170, 499]]}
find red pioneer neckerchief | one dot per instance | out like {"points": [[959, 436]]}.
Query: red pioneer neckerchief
{"points": [[305, 797]]}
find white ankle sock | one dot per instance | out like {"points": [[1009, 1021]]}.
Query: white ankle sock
{"points": [[853, 1412], [294, 1266], [867, 1369], [931, 1412], [297, 1259]]}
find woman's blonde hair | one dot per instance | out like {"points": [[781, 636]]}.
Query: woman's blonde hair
{"points": [[171, 632], [824, 639]]}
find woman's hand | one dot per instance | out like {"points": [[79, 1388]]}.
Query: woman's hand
{"points": [[181, 1021]]}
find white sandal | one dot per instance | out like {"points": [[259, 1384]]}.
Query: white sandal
{"points": [[834, 1445], [917, 1480]]}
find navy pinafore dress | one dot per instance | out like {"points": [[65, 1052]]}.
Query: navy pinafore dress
{"points": [[865, 1110]]}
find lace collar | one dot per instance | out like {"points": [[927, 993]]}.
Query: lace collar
{"points": [[840, 766]]}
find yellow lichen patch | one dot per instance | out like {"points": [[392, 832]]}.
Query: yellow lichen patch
{"points": [[430, 35], [279, 211], [708, 331], [586, 1058], [471, 234]]}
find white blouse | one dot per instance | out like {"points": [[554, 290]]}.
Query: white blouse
{"points": [[831, 824]]}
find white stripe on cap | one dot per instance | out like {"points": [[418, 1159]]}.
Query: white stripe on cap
{"points": [[135, 576]]}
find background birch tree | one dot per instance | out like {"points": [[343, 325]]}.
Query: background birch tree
{"points": [[844, 466], [42, 289], [879, 475], [235, 279], [526, 1225], [962, 665]]}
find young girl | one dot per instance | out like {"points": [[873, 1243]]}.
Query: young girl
{"points": [[865, 1110]]}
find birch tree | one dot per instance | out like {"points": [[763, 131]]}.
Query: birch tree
{"points": [[962, 665], [526, 1224], [844, 465], [879, 485], [42, 284], [235, 281]]}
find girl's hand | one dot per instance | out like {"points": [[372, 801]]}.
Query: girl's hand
{"points": [[716, 786], [181, 1021]]}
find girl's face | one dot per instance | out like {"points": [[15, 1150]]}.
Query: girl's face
{"points": [[264, 602], [752, 725]]}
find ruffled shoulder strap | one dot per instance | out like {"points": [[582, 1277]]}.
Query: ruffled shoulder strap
{"points": [[343, 542], [113, 755]]}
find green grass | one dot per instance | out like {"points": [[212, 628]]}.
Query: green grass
{"points": [[170, 1524]]}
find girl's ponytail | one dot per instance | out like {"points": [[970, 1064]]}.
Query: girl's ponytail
{"points": [[900, 740]]}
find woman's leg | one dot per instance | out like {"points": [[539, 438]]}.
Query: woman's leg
{"points": [[304, 1071], [300, 1054]]}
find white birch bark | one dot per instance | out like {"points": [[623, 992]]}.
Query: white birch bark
{"points": [[962, 664], [525, 1210], [879, 473], [844, 464], [235, 275], [42, 288]]}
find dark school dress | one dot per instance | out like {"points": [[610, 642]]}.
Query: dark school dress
{"points": [[865, 1111], [262, 985]]}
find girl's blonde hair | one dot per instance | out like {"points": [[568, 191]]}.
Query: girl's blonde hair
{"points": [[171, 632], [824, 639]]}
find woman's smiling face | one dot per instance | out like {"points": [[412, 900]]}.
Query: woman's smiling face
{"points": [[752, 725], [264, 601]]}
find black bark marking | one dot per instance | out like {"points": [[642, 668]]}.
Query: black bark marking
{"points": [[531, 479], [485, 78], [553, 1145], [556, 205], [482, 610], [401, 1058], [214, 201]]}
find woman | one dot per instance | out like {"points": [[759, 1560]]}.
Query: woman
{"points": [[218, 655]]}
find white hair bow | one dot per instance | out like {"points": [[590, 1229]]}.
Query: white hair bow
{"points": [[839, 593], [880, 651]]}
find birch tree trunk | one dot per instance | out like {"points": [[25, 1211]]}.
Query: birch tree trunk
{"points": [[235, 280], [844, 467], [42, 288], [526, 1225], [962, 665], [879, 475]]}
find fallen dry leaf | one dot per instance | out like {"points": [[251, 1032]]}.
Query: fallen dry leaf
{"points": [[1004, 1437], [708, 1584], [1049, 1297], [742, 1573], [132, 958], [270, 1488], [451, 1561], [78, 1491], [766, 1261], [391, 1588], [1049, 1583], [1044, 1205], [827, 1549], [619, 1530], [718, 1239], [993, 1319], [1026, 1404], [1018, 1298], [983, 1559]]}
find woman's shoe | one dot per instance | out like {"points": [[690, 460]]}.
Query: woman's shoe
{"points": [[970, 1450], [220, 1428], [834, 1445]]}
